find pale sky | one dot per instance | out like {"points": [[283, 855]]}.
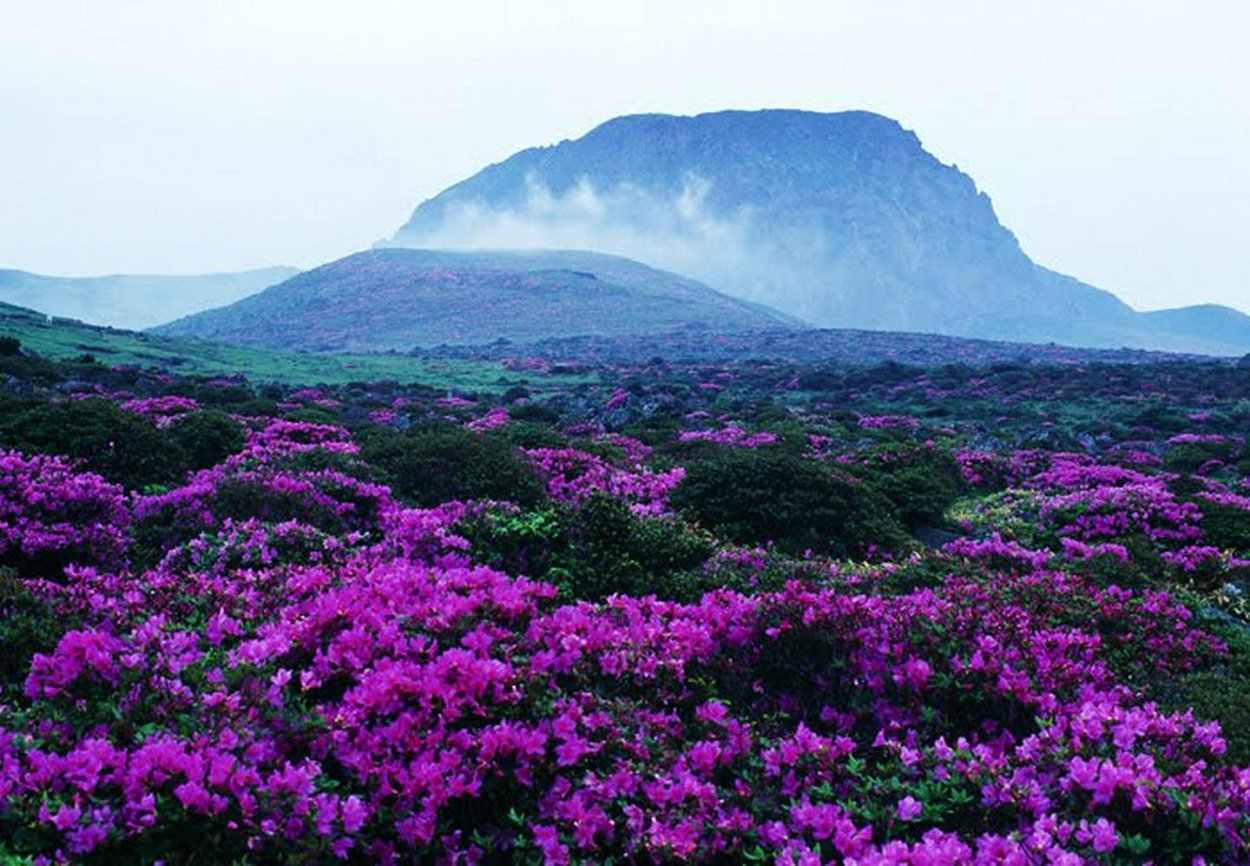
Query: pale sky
{"points": [[161, 136]]}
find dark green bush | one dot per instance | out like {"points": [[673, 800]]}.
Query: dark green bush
{"points": [[1225, 526], [528, 434], [1219, 691], [312, 415], [534, 413], [436, 463], [119, 445], [28, 625], [752, 497], [596, 549], [206, 438], [1190, 456], [922, 482]]}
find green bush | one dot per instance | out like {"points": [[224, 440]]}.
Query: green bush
{"points": [[922, 482], [596, 549], [119, 445], [28, 625], [753, 497], [206, 438], [1220, 691], [312, 415], [528, 434], [1188, 457], [1225, 526], [436, 463]]}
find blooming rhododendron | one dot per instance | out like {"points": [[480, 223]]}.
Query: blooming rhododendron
{"points": [[277, 660]]}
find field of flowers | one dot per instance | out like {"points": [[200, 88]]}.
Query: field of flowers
{"points": [[741, 613]]}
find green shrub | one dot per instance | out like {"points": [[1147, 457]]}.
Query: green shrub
{"points": [[752, 497], [1225, 526], [1188, 457], [28, 625], [119, 445], [436, 463], [1220, 691], [922, 482], [597, 549], [528, 434], [534, 413], [312, 415], [206, 438]]}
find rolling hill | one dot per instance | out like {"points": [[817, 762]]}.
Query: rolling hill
{"points": [[130, 300], [398, 299], [68, 339]]}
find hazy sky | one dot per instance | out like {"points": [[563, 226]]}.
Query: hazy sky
{"points": [[168, 136]]}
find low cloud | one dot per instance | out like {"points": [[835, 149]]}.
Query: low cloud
{"points": [[681, 232]]}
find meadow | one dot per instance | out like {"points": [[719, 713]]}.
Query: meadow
{"points": [[622, 612]]}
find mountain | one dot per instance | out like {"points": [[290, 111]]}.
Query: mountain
{"points": [[843, 220], [397, 299], [133, 301]]}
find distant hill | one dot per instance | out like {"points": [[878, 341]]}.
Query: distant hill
{"points": [[843, 220], [133, 301], [397, 299], [68, 339], [490, 368]]}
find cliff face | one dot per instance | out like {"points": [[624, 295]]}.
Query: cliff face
{"points": [[839, 219]]}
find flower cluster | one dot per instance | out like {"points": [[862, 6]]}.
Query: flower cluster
{"points": [[162, 410], [52, 515], [571, 475], [731, 437], [276, 661]]}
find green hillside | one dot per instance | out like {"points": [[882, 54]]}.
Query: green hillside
{"points": [[61, 339]]}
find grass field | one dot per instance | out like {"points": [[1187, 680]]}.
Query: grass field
{"points": [[64, 339]]}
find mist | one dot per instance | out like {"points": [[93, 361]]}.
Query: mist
{"points": [[730, 251]]}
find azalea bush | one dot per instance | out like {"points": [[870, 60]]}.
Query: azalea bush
{"points": [[52, 515], [385, 624]]}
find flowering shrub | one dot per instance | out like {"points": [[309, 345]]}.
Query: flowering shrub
{"points": [[574, 476], [531, 648], [162, 410], [387, 707], [52, 515], [281, 475], [730, 437], [887, 422]]}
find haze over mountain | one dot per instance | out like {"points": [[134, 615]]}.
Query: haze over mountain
{"points": [[843, 220], [397, 299], [133, 301]]}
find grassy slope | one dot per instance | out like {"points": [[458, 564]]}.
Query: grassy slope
{"points": [[395, 299], [64, 338]]}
